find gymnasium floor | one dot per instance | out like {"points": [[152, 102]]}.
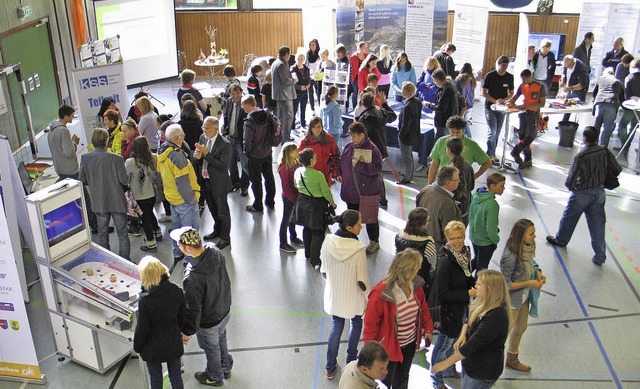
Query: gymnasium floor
{"points": [[586, 335]]}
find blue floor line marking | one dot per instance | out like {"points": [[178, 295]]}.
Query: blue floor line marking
{"points": [[318, 355], [573, 287]]}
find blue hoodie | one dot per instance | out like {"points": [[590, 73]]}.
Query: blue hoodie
{"points": [[332, 119]]}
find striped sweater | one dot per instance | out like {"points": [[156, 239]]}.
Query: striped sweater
{"points": [[590, 168]]}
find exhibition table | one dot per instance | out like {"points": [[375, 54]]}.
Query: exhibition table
{"points": [[547, 110]]}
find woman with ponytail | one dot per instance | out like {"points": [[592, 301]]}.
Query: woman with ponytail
{"points": [[481, 342], [467, 182], [384, 65], [344, 266]]}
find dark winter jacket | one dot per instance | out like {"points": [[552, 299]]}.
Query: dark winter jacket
{"points": [[451, 291], [240, 116], [583, 54], [161, 316], [613, 58], [580, 76], [425, 246], [446, 63], [409, 121], [446, 104], [192, 128], [255, 134], [551, 65], [207, 290], [375, 120]]}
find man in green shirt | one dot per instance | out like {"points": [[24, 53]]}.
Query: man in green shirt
{"points": [[471, 152]]}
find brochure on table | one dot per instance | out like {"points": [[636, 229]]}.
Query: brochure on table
{"points": [[18, 359]]}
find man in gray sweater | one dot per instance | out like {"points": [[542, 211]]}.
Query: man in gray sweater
{"points": [[63, 149]]}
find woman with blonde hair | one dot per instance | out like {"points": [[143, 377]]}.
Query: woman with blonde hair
{"points": [[481, 342], [148, 125], [398, 316], [427, 90], [384, 65], [161, 315], [524, 280], [452, 290]]}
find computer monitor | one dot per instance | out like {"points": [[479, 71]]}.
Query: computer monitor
{"points": [[64, 222], [25, 178], [557, 42]]}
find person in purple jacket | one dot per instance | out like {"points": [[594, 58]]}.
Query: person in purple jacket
{"points": [[367, 175]]}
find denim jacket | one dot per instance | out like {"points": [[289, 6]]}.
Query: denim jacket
{"points": [[514, 271]]}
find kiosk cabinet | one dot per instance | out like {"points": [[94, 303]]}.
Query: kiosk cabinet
{"points": [[91, 293]]}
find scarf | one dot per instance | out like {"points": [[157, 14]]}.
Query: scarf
{"points": [[463, 258], [528, 252]]}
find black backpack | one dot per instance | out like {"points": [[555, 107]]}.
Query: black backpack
{"points": [[274, 130]]}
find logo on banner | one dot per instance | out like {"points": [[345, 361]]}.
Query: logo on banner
{"points": [[14, 324], [5, 289], [4, 324], [3, 276], [94, 82], [6, 307]]}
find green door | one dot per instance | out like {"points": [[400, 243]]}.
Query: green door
{"points": [[31, 47]]}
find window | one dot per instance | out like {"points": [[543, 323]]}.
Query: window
{"points": [[206, 4]]}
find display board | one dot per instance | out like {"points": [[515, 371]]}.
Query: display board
{"points": [[418, 27], [92, 85], [18, 359], [470, 33], [147, 33], [607, 21]]}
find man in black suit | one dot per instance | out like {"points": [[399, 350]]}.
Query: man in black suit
{"points": [[212, 154], [233, 126], [614, 56]]}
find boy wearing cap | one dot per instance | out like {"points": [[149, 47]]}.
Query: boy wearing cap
{"points": [[207, 291]]}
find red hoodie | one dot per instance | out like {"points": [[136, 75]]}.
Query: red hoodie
{"points": [[380, 322], [327, 155], [355, 65]]}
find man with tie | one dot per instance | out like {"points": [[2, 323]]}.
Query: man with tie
{"points": [[212, 156], [232, 129]]}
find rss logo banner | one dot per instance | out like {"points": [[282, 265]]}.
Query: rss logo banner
{"points": [[19, 370]]}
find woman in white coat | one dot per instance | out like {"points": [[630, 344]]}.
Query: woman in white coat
{"points": [[344, 266]]}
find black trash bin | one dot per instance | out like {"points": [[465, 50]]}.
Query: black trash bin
{"points": [[567, 131]]}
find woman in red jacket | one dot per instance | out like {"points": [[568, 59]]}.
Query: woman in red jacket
{"points": [[369, 65], [397, 316], [325, 147]]}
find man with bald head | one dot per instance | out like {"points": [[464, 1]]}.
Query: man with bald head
{"points": [[211, 159], [614, 56]]}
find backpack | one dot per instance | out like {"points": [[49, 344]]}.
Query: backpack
{"points": [[274, 130], [462, 103]]}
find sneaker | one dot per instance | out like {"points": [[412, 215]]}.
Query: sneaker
{"points": [[554, 241], [287, 248], [165, 219], [152, 247], [134, 232], [420, 168], [158, 234], [297, 241], [372, 248], [202, 378], [331, 374]]}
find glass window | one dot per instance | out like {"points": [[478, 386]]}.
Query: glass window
{"points": [[206, 4], [278, 4]]}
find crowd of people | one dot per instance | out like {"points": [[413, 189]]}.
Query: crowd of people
{"points": [[435, 282]]}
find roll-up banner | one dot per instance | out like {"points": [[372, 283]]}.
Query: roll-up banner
{"points": [[92, 85], [18, 359]]}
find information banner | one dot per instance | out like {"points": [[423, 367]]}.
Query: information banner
{"points": [[92, 85], [419, 40], [18, 357], [470, 34]]}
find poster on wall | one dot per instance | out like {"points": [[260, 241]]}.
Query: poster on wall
{"points": [[416, 26], [470, 34], [92, 85], [18, 359], [101, 52], [420, 31]]}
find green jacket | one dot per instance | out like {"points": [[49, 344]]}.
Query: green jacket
{"points": [[315, 181], [483, 218]]}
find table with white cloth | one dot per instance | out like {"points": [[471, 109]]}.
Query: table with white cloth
{"points": [[211, 65]]}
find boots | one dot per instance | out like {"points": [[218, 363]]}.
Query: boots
{"points": [[515, 364]]}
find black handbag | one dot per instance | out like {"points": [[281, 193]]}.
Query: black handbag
{"points": [[328, 212]]}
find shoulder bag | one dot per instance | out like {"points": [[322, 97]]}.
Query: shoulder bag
{"points": [[368, 206]]}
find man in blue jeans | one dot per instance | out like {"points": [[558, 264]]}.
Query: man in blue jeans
{"points": [[497, 88], [207, 291], [181, 187], [586, 182]]}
